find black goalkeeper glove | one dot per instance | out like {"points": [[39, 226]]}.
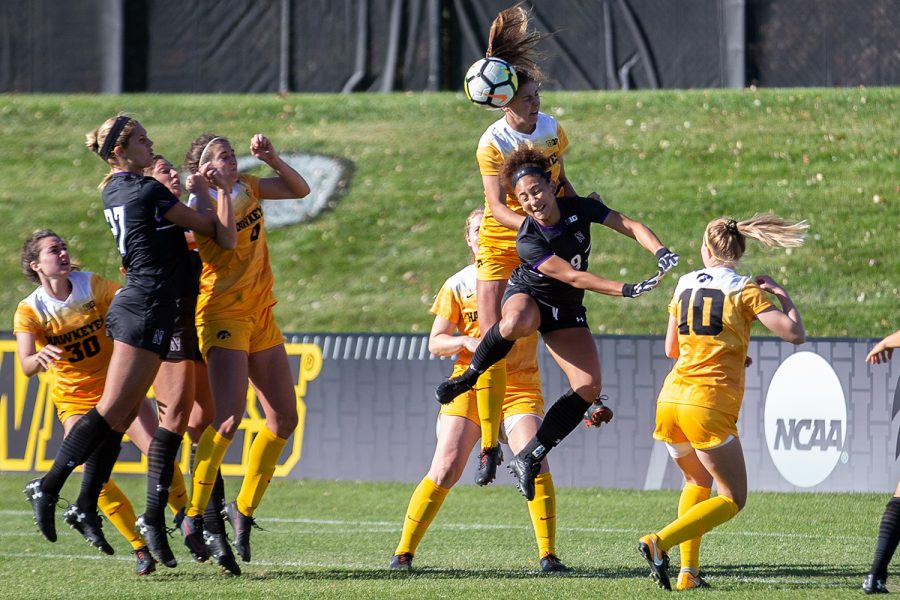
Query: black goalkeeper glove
{"points": [[598, 413], [666, 259], [633, 290]]}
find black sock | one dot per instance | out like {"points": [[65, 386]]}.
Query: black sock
{"points": [[160, 468], [888, 536], [492, 348], [88, 433], [212, 516], [97, 469], [562, 418]]}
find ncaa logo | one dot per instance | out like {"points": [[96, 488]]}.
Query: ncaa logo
{"points": [[805, 419]]}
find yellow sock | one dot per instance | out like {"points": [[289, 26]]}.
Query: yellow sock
{"points": [[117, 508], [423, 506], [210, 452], [264, 453], [697, 520], [543, 514], [490, 389], [177, 491], [690, 550]]}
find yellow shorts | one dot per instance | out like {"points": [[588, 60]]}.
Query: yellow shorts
{"points": [[703, 427], [72, 407], [253, 333], [519, 400], [494, 263]]}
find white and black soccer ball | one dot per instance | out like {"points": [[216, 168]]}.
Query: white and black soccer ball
{"points": [[491, 82]]}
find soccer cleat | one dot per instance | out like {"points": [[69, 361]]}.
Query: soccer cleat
{"points": [[689, 581], [550, 563], [401, 562], [525, 471], [157, 538], [448, 390], [145, 563], [220, 550], [44, 507], [658, 560], [192, 531], [598, 413], [89, 525], [873, 585], [488, 461], [242, 525]]}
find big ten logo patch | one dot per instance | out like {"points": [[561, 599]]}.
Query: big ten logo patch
{"points": [[805, 419], [30, 432]]}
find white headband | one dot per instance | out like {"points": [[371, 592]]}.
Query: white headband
{"points": [[206, 149]]}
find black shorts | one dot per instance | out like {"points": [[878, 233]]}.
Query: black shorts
{"points": [[552, 317], [184, 344], [141, 319]]}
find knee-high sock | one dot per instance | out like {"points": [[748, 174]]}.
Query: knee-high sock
{"points": [[490, 389], [543, 514], [213, 521], [423, 507], [690, 550], [178, 498], [160, 468], [562, 418], [117, 508], [210, 452], [264, 453], [888, 536], [697, 520], [88, 433], [97, 470]]}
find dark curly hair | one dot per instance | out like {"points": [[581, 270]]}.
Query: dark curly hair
{"points": [[523, 156]]}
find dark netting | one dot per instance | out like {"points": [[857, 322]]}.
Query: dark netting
{"points": [[823, 42]]}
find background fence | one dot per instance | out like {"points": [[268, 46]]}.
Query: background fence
{"points": [[383, 45], [367, 413]]}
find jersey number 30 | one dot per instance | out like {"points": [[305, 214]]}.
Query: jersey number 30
{"points": [[703, 321]]}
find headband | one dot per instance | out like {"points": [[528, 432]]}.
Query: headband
{"points": [[110, 142], [528, 170], [206, 149]]}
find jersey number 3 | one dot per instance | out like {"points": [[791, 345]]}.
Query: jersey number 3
{"points": [[703, 320]]}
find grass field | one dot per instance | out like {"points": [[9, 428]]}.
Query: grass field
{"points": [[674, 159], [334, 539]]}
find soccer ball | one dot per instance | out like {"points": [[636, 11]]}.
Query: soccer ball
{"points": [[491, 83]]}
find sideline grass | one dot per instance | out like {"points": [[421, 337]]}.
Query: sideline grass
{"points": [[334, 539], [674, 159]]}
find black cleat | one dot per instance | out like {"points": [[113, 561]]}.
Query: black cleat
{"points": [[550, 563], [89, 525], [242, 525], [488, 461], [873, 585], [44, 507], [657, 559], [220, 550], [145, 564], [525, 471], [447, 391], [401, 562], [192, 531], [157, 538]]}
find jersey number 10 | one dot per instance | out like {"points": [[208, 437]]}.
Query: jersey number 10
{"points": [[702, 322]]}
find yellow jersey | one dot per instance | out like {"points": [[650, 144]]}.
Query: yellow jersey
{"points": [[77, 326], [498, 142], [714, 309], [238, 282], [456, 302]]}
